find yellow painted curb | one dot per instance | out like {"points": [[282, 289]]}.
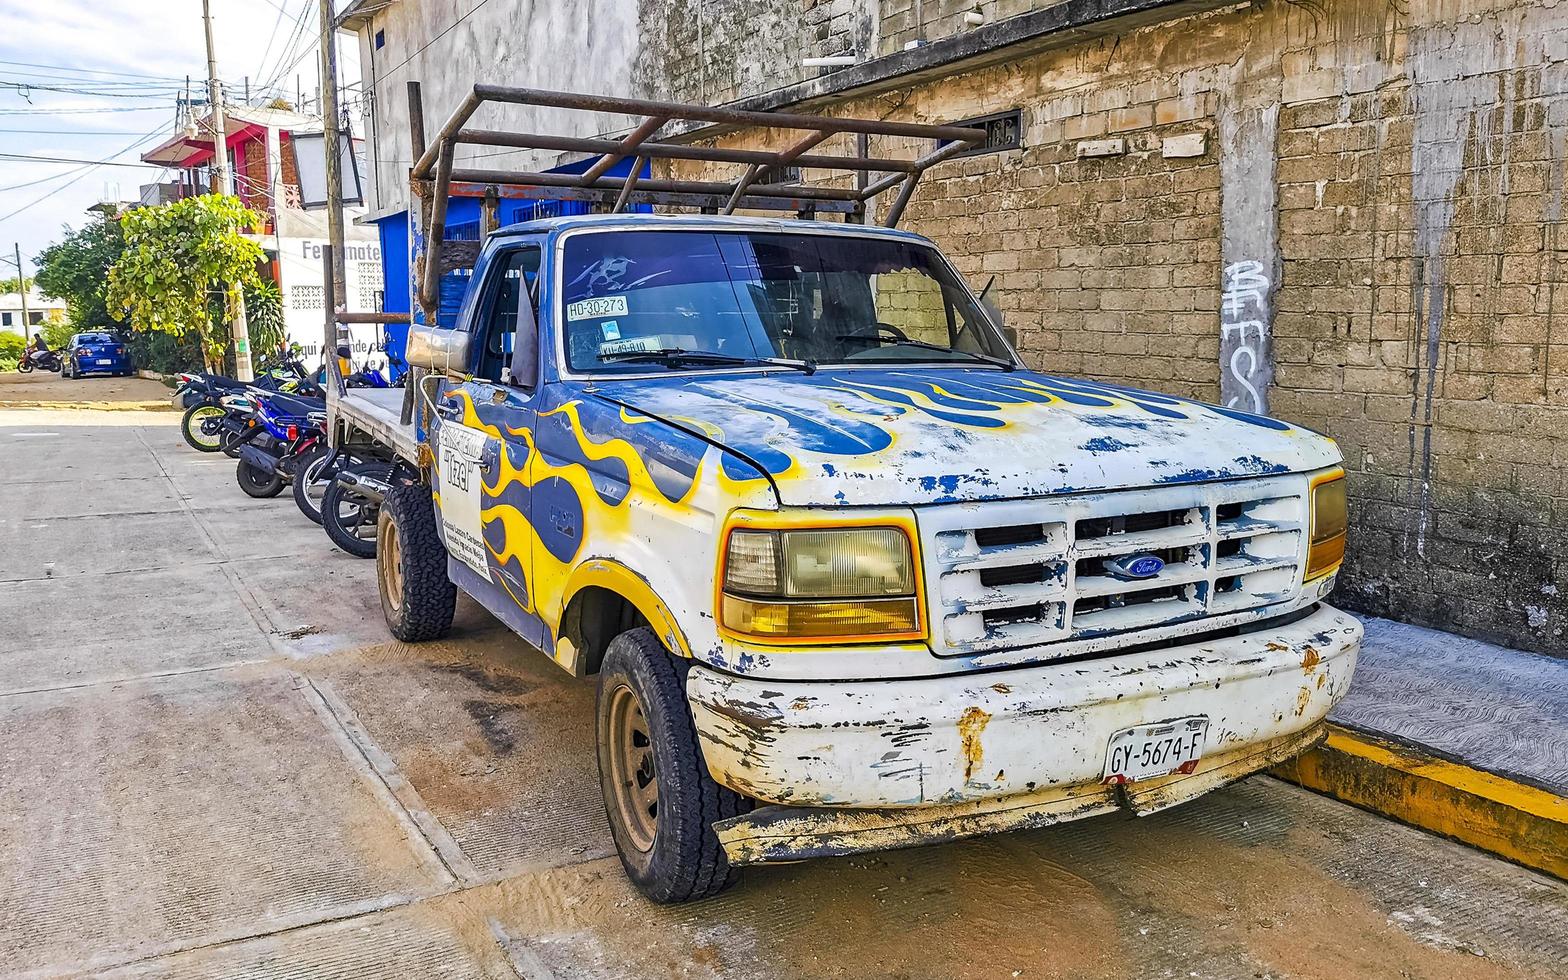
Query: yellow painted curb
{"points": [[146, 406], [1522, 823]]}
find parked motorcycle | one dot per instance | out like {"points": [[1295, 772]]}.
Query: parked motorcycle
{"points": [[351, 505], [41, 360], [288, 427], [201, 396]]}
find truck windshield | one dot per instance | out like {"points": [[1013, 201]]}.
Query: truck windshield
{"points": [[819, 298]]}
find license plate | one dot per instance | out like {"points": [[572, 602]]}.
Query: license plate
{"points": [[105, 360], [1147, 751]]}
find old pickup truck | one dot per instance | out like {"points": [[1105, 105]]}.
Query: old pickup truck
{"points": [[849, 574]]}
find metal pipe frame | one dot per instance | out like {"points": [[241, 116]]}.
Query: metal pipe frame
{"points": [[613, 184], [618, 192], [680, 151]]}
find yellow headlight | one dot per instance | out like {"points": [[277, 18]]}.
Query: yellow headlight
{"points": [[848, 583], [1330, 520]]}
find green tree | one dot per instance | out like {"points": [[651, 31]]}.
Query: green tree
{"points": [[14, 284], [178, 258], [76, 269]]}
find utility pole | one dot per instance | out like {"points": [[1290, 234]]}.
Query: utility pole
{"points": [[223, 183], [333, 147], [21, 286]]}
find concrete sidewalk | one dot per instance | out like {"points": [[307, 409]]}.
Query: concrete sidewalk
{"points": [[1455, 736]]}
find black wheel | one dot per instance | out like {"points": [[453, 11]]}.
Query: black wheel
{"points": [[312, 477], [661, 802], [348, 517], [417, 598], [229, 442], [190, 428], [24, 365], [257, 482]]}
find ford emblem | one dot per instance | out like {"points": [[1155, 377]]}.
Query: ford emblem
{"points": [[1135, 566]]}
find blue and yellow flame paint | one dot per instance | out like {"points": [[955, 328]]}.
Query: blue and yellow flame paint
{"points": [[624, 484]]}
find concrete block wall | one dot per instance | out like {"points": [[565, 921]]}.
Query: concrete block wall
{"points": [[1399, 173]]}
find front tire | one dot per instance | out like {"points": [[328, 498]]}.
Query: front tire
{"points": [[257, 482], [190, 428], [417, 597], [660, 800]]}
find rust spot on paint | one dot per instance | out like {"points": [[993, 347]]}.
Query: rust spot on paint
{"points": [[970, 725], [1271, 645], [1001, 774], [1310, 660], [1321, 679], [1303, 696], [1001, 688]]}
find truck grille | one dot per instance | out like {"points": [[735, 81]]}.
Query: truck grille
{"points": [[1020, 573]]}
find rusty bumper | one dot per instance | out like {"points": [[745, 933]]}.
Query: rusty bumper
{"points": [[786, 833], [1007, 734]]}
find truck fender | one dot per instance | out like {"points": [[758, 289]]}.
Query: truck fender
{"points": [[611, 576]]}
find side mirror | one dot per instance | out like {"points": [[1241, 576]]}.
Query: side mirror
{"points": [[437, 349]]}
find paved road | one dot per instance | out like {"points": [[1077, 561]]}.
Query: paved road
{"points": [[213, 762]]}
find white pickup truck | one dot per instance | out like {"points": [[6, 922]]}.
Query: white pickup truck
{"points": [[850, 576]]}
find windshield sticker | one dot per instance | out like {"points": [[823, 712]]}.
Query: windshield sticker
{"points": [[611, 330], [599, 306], [635, 344]]}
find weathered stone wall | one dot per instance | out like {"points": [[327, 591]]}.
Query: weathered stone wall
{"points": [[705, 51], [1364, 202]]}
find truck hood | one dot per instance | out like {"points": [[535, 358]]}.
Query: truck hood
{"points": [[938, 435]]}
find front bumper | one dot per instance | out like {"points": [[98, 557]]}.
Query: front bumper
{"points": [[918, 751]]}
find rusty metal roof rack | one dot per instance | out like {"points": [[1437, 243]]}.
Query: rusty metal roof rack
{"points": [[435, 177]]}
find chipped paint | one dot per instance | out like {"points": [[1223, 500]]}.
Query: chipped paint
{"points": [[1046, 725], [971, 724]]}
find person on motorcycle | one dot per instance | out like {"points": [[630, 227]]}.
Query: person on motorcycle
{"points": [[37, 348]]}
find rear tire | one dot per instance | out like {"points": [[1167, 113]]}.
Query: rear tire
{"points": [[417, 597], [256, 482], [645, 735], [349, 519], [190, 428]]}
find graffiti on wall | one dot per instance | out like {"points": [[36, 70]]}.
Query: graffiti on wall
{"points": [[1244, 336]]}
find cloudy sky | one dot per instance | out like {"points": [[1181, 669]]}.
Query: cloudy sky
{"points": [[122, 66]]}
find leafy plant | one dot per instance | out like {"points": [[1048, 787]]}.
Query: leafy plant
{"points": [[181, 257], [264, 312], [76, 269], [15, 285], [11, 347]]}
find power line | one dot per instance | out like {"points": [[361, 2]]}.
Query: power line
{"points": [[91, 71], [89, 168], [70, 132], [79, 112], [23, 88], [101, 163]]}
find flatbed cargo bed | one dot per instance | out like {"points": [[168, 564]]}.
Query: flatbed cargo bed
{"points": [[375, 413]]}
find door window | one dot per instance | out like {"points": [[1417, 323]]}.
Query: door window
{"points": [[516, 282]]}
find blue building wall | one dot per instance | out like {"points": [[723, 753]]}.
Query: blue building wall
{"points": [[462, 224]]}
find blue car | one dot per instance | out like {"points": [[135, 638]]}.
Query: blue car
{"points": [[96, 353]]}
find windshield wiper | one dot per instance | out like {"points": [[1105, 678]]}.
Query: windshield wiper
{"points": [[679, 355], [1000, 362]]}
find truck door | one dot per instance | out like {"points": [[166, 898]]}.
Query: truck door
{"points": [[482, 436]]}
